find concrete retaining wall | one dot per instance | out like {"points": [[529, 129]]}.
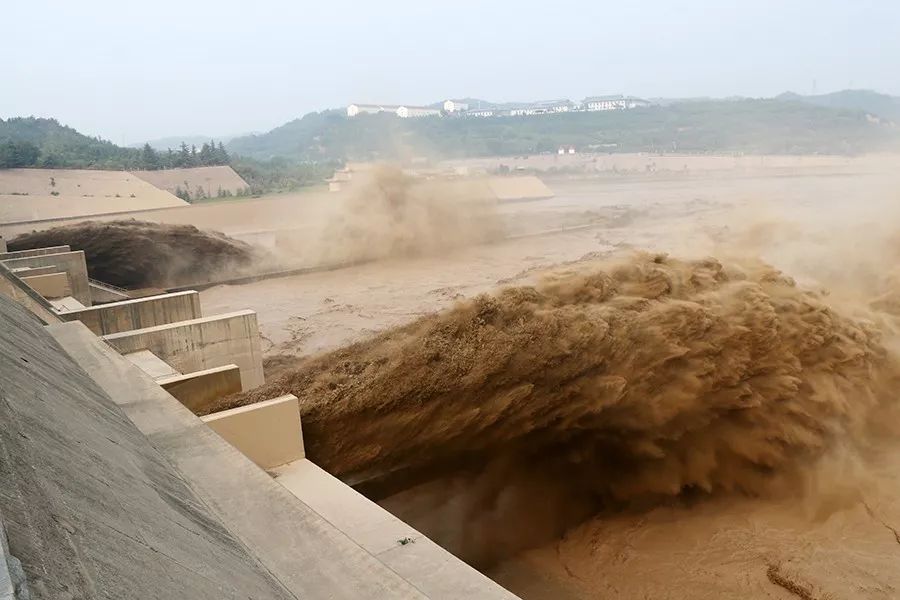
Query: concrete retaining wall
{"points": [[103, 294], [268, 433], [72, 263], [14, 288], [34, 252], [29, 271], [140, 313], [200, 389], [198, 344], [51, 286]]}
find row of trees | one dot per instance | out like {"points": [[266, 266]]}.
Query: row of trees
{"points": [[15, 154], [209, 155], [280, 174]]}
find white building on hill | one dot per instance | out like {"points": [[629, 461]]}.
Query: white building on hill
{"points": [[371, 109], [404, 112], [359, 109], [407, 112], [542, 108], [617, 102], [452, 106]]}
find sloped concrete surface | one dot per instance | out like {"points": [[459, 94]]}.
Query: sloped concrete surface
{"points": [[308, 554], [13, 585], [151, 364], [90, 507], [439, 574]]}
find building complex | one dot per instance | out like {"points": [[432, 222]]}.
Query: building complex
{"points": [[544, 107]]}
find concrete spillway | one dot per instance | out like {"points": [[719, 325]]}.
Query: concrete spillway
{"points": [[113, 489], [86, 498]]}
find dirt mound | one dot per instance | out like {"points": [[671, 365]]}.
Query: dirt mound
{"points": [[138, 254], [608, 383]]}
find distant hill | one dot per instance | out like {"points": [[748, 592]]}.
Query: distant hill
{"points": [[780, 126], [873, 103], [47, 143]]}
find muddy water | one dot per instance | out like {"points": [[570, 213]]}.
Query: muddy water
{"points": [[807, 512]]}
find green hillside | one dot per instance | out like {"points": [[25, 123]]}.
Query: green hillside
{"points": [[781, 126], [873, 103], [30, 141], [37, 142], [45, 143]]}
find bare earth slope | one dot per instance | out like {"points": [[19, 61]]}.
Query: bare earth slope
{"points": [[40, 194], [213, 180]]}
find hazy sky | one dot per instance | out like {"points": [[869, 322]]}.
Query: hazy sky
{"points": [[131, 71]]}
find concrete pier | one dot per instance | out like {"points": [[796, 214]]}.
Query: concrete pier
{"points": [[268, 433], [72, 263], [199, 389], [140, 313], [198, 344]]}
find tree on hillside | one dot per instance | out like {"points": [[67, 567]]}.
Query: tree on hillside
{"points": [[182, 193], [221, 155], [207, 156], [184, 156], [50, 160], [150, 158], [168, 159], [15, 154]]}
